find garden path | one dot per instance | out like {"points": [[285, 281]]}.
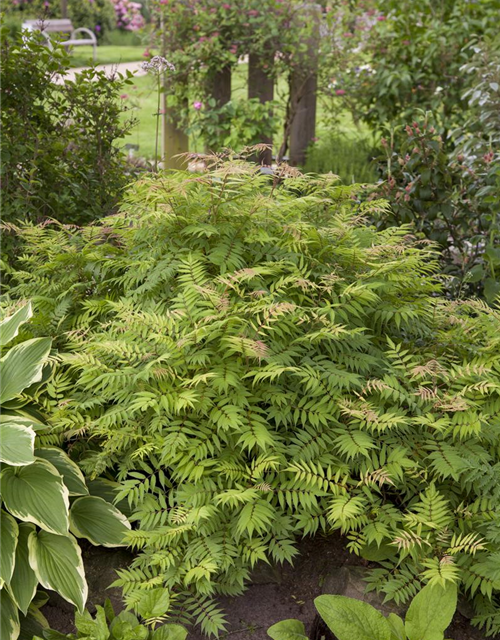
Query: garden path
{"points": [[109, 69]]}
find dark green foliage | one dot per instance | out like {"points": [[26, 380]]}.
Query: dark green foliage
{"points": [[59, 157], [351, 158], [98, 15], [255, 363]]}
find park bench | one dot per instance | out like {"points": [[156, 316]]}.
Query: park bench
{"points": [[63, 26]]}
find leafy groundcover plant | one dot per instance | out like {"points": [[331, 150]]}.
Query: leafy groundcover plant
{"points": [[428, 617], [255, 363], [45, 500]]}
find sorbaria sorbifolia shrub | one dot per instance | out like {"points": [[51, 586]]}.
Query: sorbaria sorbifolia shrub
{"points": [[255, 363]]}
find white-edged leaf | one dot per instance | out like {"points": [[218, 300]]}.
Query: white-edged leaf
{"points": [[288, 630], [24, 582], [351, 619], [36, 493], [108, 490], [22, 365], [16, 444], [9, 327], [9, 617], [9, 533], [430, 612], [170, 632], [70, 472], [57, 563], [98, 521], [22, 421]]}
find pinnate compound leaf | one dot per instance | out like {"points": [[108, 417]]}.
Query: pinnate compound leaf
{"points": [[37, 494], [16, 444], [9, 533], [57, 563], [98, 521], [22, 365], [9, 327], [351, 619], [70, 472], [288, 630], [9, 617], [431, 612], [24, 582]]}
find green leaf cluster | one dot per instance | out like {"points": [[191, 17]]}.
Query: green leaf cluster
{"points": [[429, 615], [255, 363], [45, 501]]}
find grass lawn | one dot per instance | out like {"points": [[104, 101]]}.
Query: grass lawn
{"points": [[106, 54]]}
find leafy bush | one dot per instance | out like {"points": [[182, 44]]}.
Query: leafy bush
{"points": [[37, 484], [450, 192], [59, 154], [349, 158], [255, 363], [124, 626], [428, 617], [98, 15]]}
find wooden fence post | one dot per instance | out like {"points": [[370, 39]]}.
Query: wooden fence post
{"points": [[261, 86], [303, 87]]}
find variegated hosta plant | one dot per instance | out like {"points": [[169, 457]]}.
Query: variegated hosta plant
{"points": [[46, 503]]}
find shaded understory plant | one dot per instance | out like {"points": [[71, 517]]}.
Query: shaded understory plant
{"points": [[428, 616], [46, 503], [254, 363]]}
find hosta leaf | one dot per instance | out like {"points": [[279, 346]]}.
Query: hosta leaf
{"points": [[37, 494], [70, 472], [9, 617], [57, 563], [288, 630], [98, 521], [9, 532], [24, 582], [16, 444], [22, 421], [9, 327], [351, 619], [170, 632], [431, 612], [108, 490], [22, 365]]}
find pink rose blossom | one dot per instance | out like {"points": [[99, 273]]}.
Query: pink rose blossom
{"points": [[197, 105], [340, 92]]}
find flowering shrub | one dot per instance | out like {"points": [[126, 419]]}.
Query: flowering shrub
{"points": [[128, 15], [97, 15]]}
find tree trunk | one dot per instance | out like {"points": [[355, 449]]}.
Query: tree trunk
{"points": [[303, 87], [261, 86]]}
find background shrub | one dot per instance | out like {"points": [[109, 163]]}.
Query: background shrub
{"points": [[352, 159], [59, 153], [98, 15], [254, 364]]}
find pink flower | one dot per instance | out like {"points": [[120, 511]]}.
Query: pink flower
{"points": [[124, 96], [197, 105], [406, 42], [253, 12], [233, 48], [340, 92], [381, 18], [226, 5]]}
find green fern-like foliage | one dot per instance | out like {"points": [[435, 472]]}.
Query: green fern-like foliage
{"points": [[255, 364]]}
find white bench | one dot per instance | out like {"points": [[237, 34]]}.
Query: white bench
{"points": [[63, 26]]}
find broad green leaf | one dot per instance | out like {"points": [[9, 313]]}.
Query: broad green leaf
{"points": [[431, 612], [154, 603], [24, 582], [98, 521], [9, 617], [34, 624], [22, 365], [170, 632], [9, 327], [57, 562], [9, 533], [351, 619], [70, 472], [96, 628], [16, 444], [37, 494], [108, 490], [288, 630], [397, 627], [23, 421]]}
